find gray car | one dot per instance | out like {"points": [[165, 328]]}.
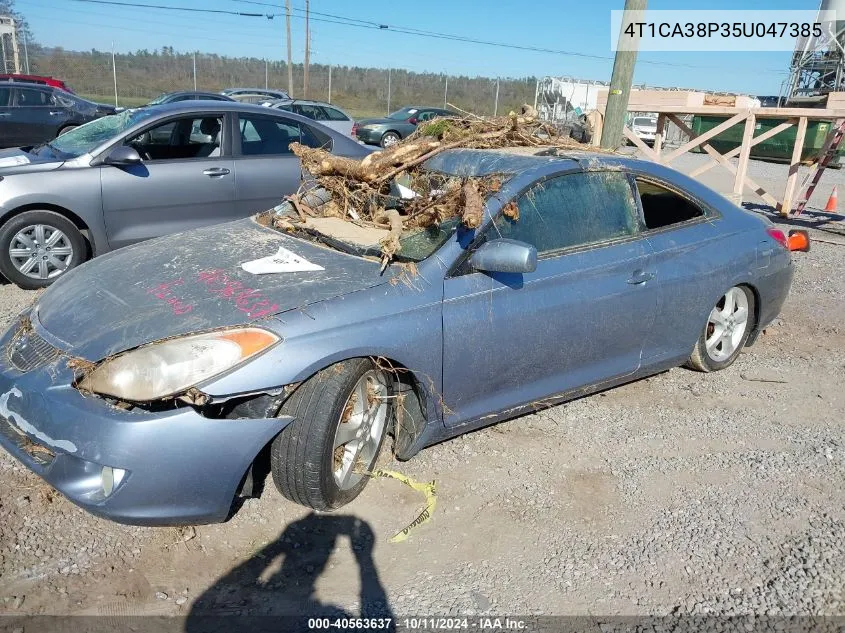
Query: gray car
{"points": [[394, 127], [148, 385], [144, 173]]}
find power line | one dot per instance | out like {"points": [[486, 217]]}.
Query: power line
{"points": [[373, 25], [139, 5]]}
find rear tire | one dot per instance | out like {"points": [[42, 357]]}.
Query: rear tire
{"points": [[389, 139], [37, 247], [727, 329], [305, 458]]}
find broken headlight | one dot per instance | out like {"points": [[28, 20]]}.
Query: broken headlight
{"points": [[171, 367]]}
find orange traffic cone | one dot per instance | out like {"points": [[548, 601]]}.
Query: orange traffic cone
{"points": [[833, 201]]}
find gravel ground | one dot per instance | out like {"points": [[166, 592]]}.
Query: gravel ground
{"points": [[681, 493]]}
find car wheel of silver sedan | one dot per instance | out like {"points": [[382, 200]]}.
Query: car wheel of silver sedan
{"points": [[36, 247], [728, 327], [342, 415]]}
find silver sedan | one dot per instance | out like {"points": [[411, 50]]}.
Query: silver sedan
{"points": [[145, 173]]}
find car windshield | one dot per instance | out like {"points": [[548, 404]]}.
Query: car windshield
{"points": [[159, 99], [404, 113], [645, 122], [417, 244], [86, 137]]}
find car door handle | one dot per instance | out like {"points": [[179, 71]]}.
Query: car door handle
{"points": [[214, 172], [56, 112], [640, 277], [5, 113]]}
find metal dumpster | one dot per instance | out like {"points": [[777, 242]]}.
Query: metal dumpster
{"points": [[779, 147]]}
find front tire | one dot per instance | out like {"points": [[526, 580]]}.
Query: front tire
{"points": [[341, 416], [36, 247], [727, 329]]}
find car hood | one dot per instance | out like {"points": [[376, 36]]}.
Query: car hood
{"points": [[17, 161], [189, 282]]}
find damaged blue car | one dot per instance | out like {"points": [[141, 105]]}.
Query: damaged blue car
{"points": [[146, 385]]}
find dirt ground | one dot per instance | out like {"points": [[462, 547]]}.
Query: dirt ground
{"points": [[681, 493]]}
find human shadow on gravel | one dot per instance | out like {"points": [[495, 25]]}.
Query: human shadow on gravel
{"points": [[275, 590]]}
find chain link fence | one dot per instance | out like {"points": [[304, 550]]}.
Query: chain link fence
{"points": [[131, 80]]}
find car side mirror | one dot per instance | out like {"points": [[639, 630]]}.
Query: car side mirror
{"points": [[504, 256], [123, 155]]}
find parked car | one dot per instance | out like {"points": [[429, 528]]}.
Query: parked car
{"points": [[394, 127], [32, 114], [144, 173], [326, 113], [36, 79], [254, 93], [188, 95], [145, 384], [645, 127]]}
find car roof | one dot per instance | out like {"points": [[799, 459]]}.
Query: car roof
{"points": [[485, 162], [23, 84], [307, 102]]}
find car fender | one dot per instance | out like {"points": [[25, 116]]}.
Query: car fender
{"points": [[74, 192]]}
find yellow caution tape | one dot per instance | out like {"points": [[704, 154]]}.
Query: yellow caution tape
{"points": [[428, 489]]}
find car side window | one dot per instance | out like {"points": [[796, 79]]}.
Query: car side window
{"points": [[663, 207], [27, 98], [5, 97], [311, 111], [262, 136], [571, 211], [333, 114], [189, 137]]}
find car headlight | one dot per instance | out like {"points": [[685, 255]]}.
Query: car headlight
{"points": [[171, 367]]}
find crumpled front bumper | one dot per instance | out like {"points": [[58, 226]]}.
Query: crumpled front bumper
{"points": [[181, 467]]}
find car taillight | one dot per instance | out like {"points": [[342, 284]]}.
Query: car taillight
{"points": [[778, 236]]}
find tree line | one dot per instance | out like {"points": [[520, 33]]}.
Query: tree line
{"points": [[145, 74]]}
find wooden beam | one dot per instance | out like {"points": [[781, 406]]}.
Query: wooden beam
{"points": [[789, 192], [744, 154], [761, 113], [636, 140], [699, 140], [658, 137], [722, 159], [735, 151]]}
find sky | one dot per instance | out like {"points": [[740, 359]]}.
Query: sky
{"points": [[573, 26]]}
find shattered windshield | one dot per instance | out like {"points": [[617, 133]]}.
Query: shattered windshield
{"points": [[427, 225], [86, 137]]}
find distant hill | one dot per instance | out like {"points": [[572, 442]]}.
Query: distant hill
{"points": [[144, 74]]}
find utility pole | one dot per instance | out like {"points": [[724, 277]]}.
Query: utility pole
{"points": [[195, 71], [307, 53], [620, 82], [446, 93], [25, 53], [330, 83], [114, 73], [496, 104], [266, 75], [388, 90], [290, 66], [16, 57]]}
